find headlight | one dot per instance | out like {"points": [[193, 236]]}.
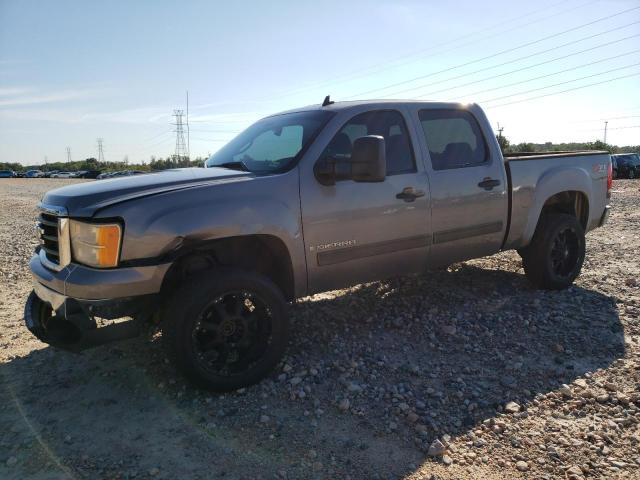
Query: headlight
{"points": [[95, 244]]}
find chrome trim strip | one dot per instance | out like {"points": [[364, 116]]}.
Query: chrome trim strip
{"points": [[64, 242], [331, 257], [48, 263]]}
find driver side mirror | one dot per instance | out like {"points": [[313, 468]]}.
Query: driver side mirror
{"points": [[367, 163]]}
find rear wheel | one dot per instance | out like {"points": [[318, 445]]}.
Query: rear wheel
{"points": [[226, 329], [554, 258], [632, 173]]}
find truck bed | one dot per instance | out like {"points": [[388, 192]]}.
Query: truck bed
{"points": [[515, 157], [535, 177]]}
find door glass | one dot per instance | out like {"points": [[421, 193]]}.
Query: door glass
{"points": [[386, 123], [454, 139]]}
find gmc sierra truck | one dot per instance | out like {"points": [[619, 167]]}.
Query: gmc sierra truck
{"points": [[301, 202]]}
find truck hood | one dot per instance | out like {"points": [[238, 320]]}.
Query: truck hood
{"points": [[85, 199]]}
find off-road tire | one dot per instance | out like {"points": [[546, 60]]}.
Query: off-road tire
{"points": [[540, 258], [183, 310]]}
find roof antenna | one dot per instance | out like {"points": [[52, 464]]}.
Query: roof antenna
{"points": [[327, 101]]}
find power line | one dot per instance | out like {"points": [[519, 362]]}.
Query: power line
{"points": [[373, 69], [528, 67], [560, 83], [159, 135], [565, 91], [508, 50], [525, 57], [551, 74]]}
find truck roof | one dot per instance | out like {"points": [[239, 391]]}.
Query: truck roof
{"points": [[337, 106]]}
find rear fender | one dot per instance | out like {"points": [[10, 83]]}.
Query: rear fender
{"points": [[554, 181]]}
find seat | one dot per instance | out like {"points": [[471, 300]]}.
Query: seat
{"points": [[454, 155], [340, 147]]}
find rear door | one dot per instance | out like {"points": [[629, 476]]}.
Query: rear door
{"points": [[469, 201], [353, 231]]}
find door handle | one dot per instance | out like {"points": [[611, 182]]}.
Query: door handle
{"points": [[488, 183], [408, 194]]}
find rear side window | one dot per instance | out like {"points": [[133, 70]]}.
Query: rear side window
{"points": [[454, 139], [386, 123]]}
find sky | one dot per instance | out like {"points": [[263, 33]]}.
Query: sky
{"points": [[75, 71]]}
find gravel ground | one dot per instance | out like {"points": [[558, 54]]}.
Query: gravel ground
{"points": [[465, 373]]}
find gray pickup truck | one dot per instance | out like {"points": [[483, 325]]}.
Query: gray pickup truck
{"points": [[301, 202]]}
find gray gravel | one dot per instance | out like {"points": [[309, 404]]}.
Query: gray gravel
{"points": [[465, 373]]}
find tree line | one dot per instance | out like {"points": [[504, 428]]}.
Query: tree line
{"points": [[92, 164], [524, 147], [157, 164]]}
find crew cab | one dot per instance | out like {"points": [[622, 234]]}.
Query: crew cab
{"points": [[303, 201]]}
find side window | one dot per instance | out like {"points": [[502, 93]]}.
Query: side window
{"points": [[454, 139], [387, 123]]}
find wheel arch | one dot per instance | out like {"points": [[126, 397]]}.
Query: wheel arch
{"points": [[565, 190], [263, 253]]}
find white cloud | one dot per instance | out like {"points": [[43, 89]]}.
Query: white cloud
{"points": [[12, 91], [20, 96]]}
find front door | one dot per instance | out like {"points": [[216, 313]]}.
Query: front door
{"points": [[354, 232]]}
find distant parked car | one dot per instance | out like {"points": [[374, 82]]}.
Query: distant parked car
{"points": [[50, 173], [7, 174], [34, 174], [88, 174], [62, 175], [628, 165]]}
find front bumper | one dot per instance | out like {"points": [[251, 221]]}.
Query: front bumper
{"points": [[77, 294]]}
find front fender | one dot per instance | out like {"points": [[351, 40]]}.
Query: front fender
{"points": [[155, 227]]}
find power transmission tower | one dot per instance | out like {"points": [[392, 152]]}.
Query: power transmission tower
{"points": [[100, 150], [68, 154], [181, 147]]}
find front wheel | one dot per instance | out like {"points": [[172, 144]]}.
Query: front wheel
{"points": [[554, 258], [226, 329], [632, 173]]}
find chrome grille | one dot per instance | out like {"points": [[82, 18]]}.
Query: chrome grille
{"points": [[48, 233], [53, 236]]}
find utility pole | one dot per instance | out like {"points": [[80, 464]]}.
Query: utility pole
{"points": [[68, 154], [181, 147], [188, 136], [606, 122], [100, 150], [500, 129], [46, 163]]}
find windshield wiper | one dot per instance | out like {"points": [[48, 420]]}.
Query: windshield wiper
{"points": [[239, 165]]}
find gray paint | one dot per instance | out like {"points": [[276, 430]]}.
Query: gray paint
{"points": [[353, 232]]}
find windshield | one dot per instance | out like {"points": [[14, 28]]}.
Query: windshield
{"points": [[272, 144]]}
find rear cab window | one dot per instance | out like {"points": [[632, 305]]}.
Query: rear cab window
{"points": [[454, 138]]}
